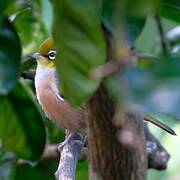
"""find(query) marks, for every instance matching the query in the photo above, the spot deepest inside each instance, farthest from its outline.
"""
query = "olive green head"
(46, 54)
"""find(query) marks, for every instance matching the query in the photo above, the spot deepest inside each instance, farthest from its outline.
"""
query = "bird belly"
(60, 111)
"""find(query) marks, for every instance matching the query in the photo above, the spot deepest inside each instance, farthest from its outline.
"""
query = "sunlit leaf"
(173, 36)
(10, 54)
(16, 15)
(47, 15)
(28, 23)
(81, 47)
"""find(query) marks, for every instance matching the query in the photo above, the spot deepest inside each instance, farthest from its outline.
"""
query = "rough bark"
(114, 153)
(157, 155)
(70, 151)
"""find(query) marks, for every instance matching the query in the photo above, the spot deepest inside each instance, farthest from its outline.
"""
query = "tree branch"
(29, 74)
(161, 33)
(157, 155)
(51, 152)
(70, 152)
(115, 151)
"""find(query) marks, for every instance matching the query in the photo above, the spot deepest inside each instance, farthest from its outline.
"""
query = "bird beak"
(35, 55)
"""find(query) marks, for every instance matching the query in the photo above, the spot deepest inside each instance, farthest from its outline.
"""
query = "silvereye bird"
(48, 94)
(50, 98)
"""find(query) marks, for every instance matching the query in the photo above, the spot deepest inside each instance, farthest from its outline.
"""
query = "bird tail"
(159, 124)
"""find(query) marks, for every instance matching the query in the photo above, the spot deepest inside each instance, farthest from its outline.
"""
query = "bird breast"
(54, 106)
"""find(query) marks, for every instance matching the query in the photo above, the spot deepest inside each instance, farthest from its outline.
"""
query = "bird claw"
(67, 138)
(72, 137)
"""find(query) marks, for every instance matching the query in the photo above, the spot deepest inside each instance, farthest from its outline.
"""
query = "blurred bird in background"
(51, 99)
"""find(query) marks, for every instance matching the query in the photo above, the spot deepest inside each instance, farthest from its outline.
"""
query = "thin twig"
(51, 152)
(162, 35)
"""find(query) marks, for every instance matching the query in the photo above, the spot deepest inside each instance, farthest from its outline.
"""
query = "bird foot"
(72, 137)
(67, 139)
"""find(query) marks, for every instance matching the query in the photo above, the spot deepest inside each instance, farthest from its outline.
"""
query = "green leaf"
(7, 164)
(20, 12)
(124, 19)
(168, 68)
(29, 23)
(10, 54)
(81, 47)
(171, 11)
(55, 133)
(43, 170)
(22, 129)
(149, 40)
(47, 15)
(173, 37)
(3, 4)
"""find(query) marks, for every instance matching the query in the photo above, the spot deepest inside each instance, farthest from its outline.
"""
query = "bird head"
(46, 54)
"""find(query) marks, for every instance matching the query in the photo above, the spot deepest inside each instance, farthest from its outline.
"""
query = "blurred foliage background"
(153, 83)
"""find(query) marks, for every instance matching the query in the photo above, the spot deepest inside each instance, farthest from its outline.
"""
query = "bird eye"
(51, 55)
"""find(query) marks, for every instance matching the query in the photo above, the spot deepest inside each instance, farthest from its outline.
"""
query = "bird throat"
(45, 64)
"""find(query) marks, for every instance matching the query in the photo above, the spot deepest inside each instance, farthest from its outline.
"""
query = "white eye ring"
(51, 55)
